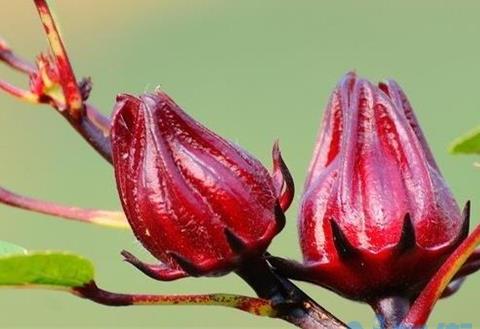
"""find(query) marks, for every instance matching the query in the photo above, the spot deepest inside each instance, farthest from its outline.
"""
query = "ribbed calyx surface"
(376, 216)
(194, 200)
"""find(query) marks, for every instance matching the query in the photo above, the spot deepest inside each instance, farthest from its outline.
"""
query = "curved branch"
(251, 305)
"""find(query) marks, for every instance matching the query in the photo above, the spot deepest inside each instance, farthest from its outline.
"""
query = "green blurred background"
(250, 70)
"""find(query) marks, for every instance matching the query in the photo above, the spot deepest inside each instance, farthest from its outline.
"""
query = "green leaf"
(45, 268)
(10, 248)
(467, 144)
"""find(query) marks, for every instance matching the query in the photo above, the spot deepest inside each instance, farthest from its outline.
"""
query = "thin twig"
(114, 219)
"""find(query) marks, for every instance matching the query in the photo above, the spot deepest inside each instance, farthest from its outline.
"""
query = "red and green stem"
(251, 305)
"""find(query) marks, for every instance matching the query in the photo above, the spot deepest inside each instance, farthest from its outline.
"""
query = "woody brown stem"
(290, 302)
(92, 126)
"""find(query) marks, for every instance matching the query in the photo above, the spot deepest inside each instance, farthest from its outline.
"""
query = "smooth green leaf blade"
(467, 144)
(10, 248)
(48, 268)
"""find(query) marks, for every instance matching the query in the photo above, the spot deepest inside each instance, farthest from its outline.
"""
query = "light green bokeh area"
(251, 70)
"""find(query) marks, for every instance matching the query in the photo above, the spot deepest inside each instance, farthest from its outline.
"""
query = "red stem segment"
(423, 305)
(67, 77)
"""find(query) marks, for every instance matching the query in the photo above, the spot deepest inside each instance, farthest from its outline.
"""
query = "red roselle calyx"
(198, 203)
(376, 219)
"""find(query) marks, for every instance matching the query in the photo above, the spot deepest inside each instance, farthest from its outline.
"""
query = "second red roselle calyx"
(197, 202)
(377, 218)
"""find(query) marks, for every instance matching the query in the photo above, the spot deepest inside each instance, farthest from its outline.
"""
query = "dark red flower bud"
(377, 218)
(197, 202)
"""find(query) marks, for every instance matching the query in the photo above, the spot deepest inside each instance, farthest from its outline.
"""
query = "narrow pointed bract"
(282, 179)
(159, 272)
(344, 249)
(407, 239)
(375, 203)
(196, 201)
(235, 242)
(466, 222)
